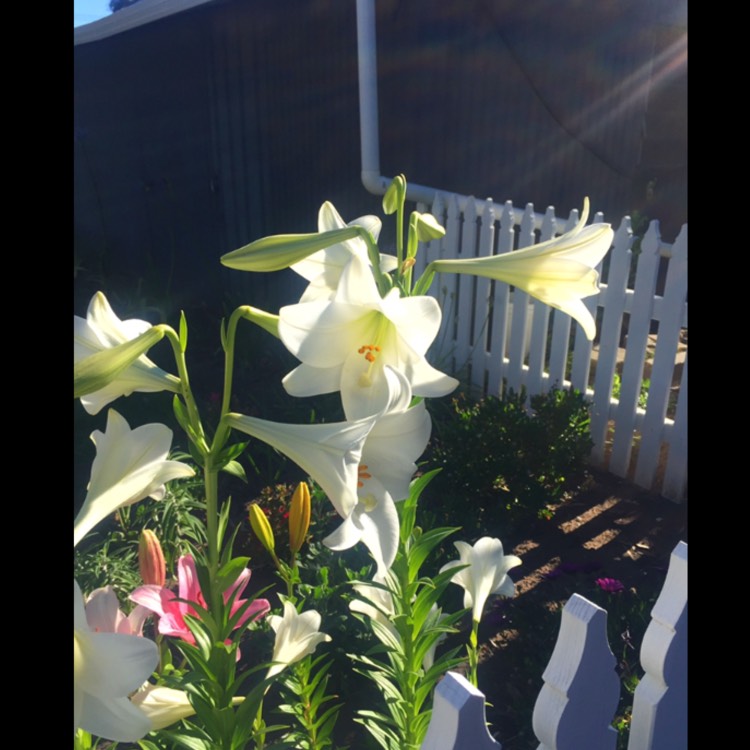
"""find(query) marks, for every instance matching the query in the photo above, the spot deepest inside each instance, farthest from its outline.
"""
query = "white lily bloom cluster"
(372, 350)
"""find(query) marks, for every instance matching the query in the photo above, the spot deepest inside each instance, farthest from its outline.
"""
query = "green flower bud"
(280, 251)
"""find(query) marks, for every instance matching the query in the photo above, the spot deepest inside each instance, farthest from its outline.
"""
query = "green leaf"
(235, 469)
(424, 545)
(230, 572)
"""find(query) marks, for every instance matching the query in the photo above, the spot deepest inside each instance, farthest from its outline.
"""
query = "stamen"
(363, 474)
(370, 353)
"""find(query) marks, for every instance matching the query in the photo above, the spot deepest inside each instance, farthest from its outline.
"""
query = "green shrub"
(501, 461)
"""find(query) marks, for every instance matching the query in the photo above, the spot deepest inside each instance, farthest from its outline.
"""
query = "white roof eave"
(139, 14)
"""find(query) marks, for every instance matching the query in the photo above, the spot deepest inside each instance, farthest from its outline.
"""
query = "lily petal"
(323, 269)
(297, 635)
(129, 465)
(162, 705)
(107, 668)
(373, 521)
(329, 453)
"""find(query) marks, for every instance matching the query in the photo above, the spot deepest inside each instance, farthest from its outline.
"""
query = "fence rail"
(635, 373)
(579, 697)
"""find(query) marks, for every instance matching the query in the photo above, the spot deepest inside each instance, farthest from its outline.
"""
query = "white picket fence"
(577, 703)
(497, 338)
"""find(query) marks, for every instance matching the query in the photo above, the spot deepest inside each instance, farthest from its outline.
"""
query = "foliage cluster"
(510, 461)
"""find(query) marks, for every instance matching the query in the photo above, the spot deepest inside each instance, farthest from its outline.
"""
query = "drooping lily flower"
(486, 574)
(395, 442)
(165, 706)
(107, 667)
(103, 614)
(162, 705)
(129, 465)
(329, 453)
(345, 343)
(297, 635)
(171, 608)
(559, 272)
(323, 269)
(101, 329)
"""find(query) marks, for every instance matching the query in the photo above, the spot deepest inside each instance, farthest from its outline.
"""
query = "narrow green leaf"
(235, 469)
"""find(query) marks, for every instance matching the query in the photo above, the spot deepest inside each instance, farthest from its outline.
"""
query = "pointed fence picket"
(498, 338)
(578, 700)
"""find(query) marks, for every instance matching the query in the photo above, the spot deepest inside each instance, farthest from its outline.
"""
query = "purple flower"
(610, 585)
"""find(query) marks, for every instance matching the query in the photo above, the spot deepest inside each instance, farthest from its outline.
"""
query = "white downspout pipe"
(373, 181)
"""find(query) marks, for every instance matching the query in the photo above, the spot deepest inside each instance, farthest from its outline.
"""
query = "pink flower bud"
(151, 559)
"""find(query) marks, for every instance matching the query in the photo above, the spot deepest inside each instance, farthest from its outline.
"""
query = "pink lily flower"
(171, 611)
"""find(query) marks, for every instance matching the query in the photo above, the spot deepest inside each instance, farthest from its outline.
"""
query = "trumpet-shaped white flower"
(107, 667)
(345, 343)
(162, 705)
(559, 272)
(397, 439)
(323, 269)
(297, 635)
(101, 329)
(329, 453)
(129, 465)
(486, 574)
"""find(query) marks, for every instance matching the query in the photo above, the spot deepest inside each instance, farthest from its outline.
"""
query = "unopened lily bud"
(280, 251)
(98, 370)
(299, 517)
(261, 527)
(151, 559)
(407, 264)
(428, 228)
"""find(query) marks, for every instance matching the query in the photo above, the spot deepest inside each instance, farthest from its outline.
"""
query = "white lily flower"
(345, 343)
(329, 453)
(101, 329)
(486, 574)
(395, 442)
(559, 272)
(107, 667)
(129, 465)
(297, 635)
(162, 705)
(323, 269)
